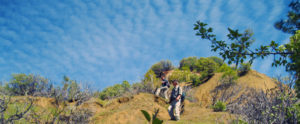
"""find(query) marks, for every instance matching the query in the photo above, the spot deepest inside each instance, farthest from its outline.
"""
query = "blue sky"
(103, 42)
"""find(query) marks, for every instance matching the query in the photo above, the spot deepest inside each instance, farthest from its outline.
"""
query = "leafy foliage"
(188, 63)
(292, 23)
(195, 79)
(155, 120)
(186, 76)
(229, 76)
(219, 106)
(244, 68)
(161, 67)
(10, 111)
(22, 84)
(206, 65)
(239, 49)
(181, 76)
(218, 60)
(115, 91)
(150, 82)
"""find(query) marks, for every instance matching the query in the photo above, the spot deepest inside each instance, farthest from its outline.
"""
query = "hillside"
(252, 79)
(199, 112)
(126, 110)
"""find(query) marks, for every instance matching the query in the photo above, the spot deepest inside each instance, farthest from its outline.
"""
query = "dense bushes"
(230, 74)
(115, 90)
(22, 84)
(188, 63)
(244, 68)
(181, 76)
(203, 65)
(186, 76)
(206, 65)
(72, 91)
(34, 85)
(218, 60)
(219, 106)
(162, 66)
(195, 79)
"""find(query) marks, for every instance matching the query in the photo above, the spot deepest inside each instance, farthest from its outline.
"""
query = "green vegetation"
(161, 67)
(154, 118)
(115, 91)
(181, 76)
(22, 84)
(219, 106)
(229, 76)
(218, 60)
(205, 66)
(244, 69)
(188, 63)
(291, 24)
(239, 49)
(195, 79)
(150, 80)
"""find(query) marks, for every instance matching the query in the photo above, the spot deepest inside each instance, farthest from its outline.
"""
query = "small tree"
(22, 84)
(188, 63)
(218, 60)
(161, 67)
(219, 106)
(239, 50)
(206, 65)
(244, 69)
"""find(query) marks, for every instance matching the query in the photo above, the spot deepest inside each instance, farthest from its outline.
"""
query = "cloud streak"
(106, 42)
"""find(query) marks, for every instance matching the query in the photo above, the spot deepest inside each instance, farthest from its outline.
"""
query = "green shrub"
(218, 60)
(188, 63)
(22, 84)
(150, 80)
(229, 76)
(181, 75)
(116, 90)
(162, 66)
(219, 106)
(73, 90)
(185, 76)
(244, 68)
(206, 65)
(223, 68)
(297, 107)
(195, 79)
(239, 121)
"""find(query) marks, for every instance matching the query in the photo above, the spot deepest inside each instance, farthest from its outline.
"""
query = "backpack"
(182, 97)
(168, 84)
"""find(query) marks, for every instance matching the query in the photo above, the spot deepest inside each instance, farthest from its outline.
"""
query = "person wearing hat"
(175, 101)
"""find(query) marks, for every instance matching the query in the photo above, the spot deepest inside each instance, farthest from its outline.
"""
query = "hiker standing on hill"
(175, 101)
(164, 86)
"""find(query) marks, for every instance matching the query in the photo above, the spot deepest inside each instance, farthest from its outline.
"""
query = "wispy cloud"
(106, 42)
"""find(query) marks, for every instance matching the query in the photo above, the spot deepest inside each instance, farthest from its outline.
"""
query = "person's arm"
(178, 97)
(179, 94)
